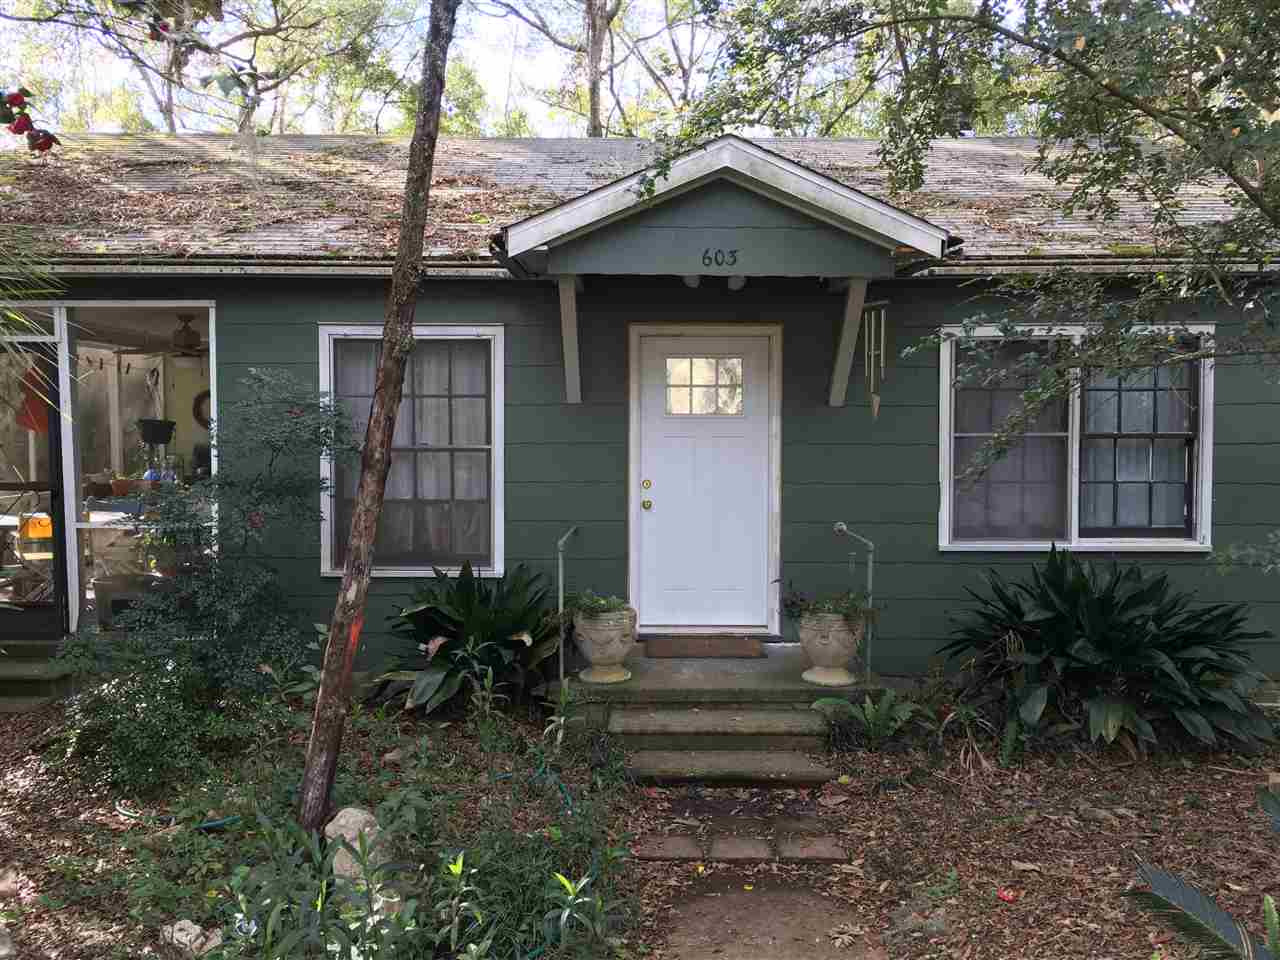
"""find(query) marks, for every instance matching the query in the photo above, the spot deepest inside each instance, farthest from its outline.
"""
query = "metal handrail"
(841, 529)
(560, 545)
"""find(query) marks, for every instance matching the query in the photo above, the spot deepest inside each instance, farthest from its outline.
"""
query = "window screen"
(1024, 495)
(438, 508)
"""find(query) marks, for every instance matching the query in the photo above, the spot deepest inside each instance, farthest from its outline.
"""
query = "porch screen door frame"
(772, 331)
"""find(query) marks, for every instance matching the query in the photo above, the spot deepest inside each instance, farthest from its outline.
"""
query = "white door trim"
(773, 331)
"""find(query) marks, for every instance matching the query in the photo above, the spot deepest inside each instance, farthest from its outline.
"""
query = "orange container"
(36, 527)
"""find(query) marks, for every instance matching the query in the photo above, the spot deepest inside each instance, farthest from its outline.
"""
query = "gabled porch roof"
(746, 165)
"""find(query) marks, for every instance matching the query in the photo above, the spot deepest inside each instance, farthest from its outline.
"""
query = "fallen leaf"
(1024, 867)
(833, 799)
(1007, 895)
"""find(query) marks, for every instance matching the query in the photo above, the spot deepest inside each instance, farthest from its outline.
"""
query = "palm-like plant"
(1198, 917)
(468, 625)
(1121, 647)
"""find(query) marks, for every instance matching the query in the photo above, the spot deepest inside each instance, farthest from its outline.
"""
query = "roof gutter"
(451, 271)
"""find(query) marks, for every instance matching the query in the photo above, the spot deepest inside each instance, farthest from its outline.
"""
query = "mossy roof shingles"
(139, 198)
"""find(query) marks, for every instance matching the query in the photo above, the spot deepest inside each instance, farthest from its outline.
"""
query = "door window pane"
(704, 386)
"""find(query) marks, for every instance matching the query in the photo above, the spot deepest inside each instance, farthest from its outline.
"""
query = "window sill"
(1153, 545)
(418, 573)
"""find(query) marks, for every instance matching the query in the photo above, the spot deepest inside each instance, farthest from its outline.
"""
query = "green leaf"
(1033, 703)
(1197, 917)
(1270, 802)
(1196, 725)
(1106, 717)
(1272, 923)
(426, 685)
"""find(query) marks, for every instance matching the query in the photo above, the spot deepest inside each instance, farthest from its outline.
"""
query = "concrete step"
(717, 728)
(29, 649)
(33, 678)
(758, 767)
(23, 704)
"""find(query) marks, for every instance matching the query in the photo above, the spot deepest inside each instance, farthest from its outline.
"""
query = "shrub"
(188, 668)
(870, 722)
(1119, 649)
(465, 626)
(850, 604)
(592, 604)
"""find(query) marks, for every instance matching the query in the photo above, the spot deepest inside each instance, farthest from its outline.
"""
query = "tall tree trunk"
(597, 28)
(333, 701)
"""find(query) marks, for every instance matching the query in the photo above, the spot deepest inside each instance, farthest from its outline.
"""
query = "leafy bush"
(1119, 647)
(589, 603)
(870, 722)
(187, 671)
(1199, 918)
(850, 604)
(465, 626)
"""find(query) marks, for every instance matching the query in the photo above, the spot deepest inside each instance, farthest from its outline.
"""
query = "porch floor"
(774, 678)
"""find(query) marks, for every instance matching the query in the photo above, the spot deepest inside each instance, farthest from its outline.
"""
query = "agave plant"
(1198, 917)
(1123, 648)
(466, 624)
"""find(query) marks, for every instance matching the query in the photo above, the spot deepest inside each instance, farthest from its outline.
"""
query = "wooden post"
(569, 336)
(855, 297)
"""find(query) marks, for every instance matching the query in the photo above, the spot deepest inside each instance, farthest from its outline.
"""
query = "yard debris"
(6, 945)
(393, 756)
(162, 837)
(349, 823)
(919, 917)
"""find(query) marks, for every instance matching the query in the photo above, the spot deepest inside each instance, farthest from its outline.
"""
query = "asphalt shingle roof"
(154, 198)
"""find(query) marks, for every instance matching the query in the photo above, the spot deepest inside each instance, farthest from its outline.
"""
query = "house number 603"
(719, 258)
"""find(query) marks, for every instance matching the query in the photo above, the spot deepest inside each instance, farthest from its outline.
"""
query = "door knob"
(646, 504)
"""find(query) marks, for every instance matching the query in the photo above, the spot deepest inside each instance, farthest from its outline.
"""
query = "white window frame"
(494, 334)
(1201, 541)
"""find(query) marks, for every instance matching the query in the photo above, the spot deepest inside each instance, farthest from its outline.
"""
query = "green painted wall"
(737, 230)
(567, 464)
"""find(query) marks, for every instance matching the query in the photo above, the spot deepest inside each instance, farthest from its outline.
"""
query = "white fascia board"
(751, 167)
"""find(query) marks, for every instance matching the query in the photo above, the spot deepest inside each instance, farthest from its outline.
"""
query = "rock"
(190, 938)
(7, 948)
(920, 917)
(1097, 814)
(161, 838)
(349, 823)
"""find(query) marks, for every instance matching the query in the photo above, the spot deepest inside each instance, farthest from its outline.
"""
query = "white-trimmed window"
(444, 503)
(1123, 464)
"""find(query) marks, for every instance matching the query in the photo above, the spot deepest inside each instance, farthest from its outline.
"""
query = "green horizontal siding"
(567, 464)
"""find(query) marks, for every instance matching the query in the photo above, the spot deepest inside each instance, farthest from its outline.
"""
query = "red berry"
(15, 100)
(41, 141)
(21, 124)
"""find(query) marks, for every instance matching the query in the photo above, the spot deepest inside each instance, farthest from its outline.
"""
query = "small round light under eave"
(737, 282)
(692, 281)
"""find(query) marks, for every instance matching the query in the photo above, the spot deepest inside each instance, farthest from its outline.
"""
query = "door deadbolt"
(646, 504)
(646, 484)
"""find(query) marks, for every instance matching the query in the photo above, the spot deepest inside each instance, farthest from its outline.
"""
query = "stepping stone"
(825, 849)
(794, 825)
(668, 848)
(740, 848)
(763, 767)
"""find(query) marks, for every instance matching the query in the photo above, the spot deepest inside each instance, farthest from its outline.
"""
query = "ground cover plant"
(1113, 653)
(472, 839)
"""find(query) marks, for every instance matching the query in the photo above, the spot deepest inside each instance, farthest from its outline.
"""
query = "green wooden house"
(703, 378)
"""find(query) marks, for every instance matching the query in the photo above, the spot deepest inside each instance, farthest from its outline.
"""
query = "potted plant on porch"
(604, 629)
(831, 628)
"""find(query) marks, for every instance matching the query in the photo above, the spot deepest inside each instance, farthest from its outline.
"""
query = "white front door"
(702, 533)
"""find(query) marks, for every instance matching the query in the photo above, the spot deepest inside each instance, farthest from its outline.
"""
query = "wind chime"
(873, 322)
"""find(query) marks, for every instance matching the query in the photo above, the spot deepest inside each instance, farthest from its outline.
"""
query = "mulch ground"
(1059, 836)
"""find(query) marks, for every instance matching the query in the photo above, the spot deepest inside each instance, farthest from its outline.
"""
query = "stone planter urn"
(830, 642)
(605, 639)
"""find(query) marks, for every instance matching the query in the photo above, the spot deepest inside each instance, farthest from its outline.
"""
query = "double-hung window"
(1124, 463)
(443, 504)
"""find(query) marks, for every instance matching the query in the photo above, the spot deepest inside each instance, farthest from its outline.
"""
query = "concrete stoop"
(714, 720)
